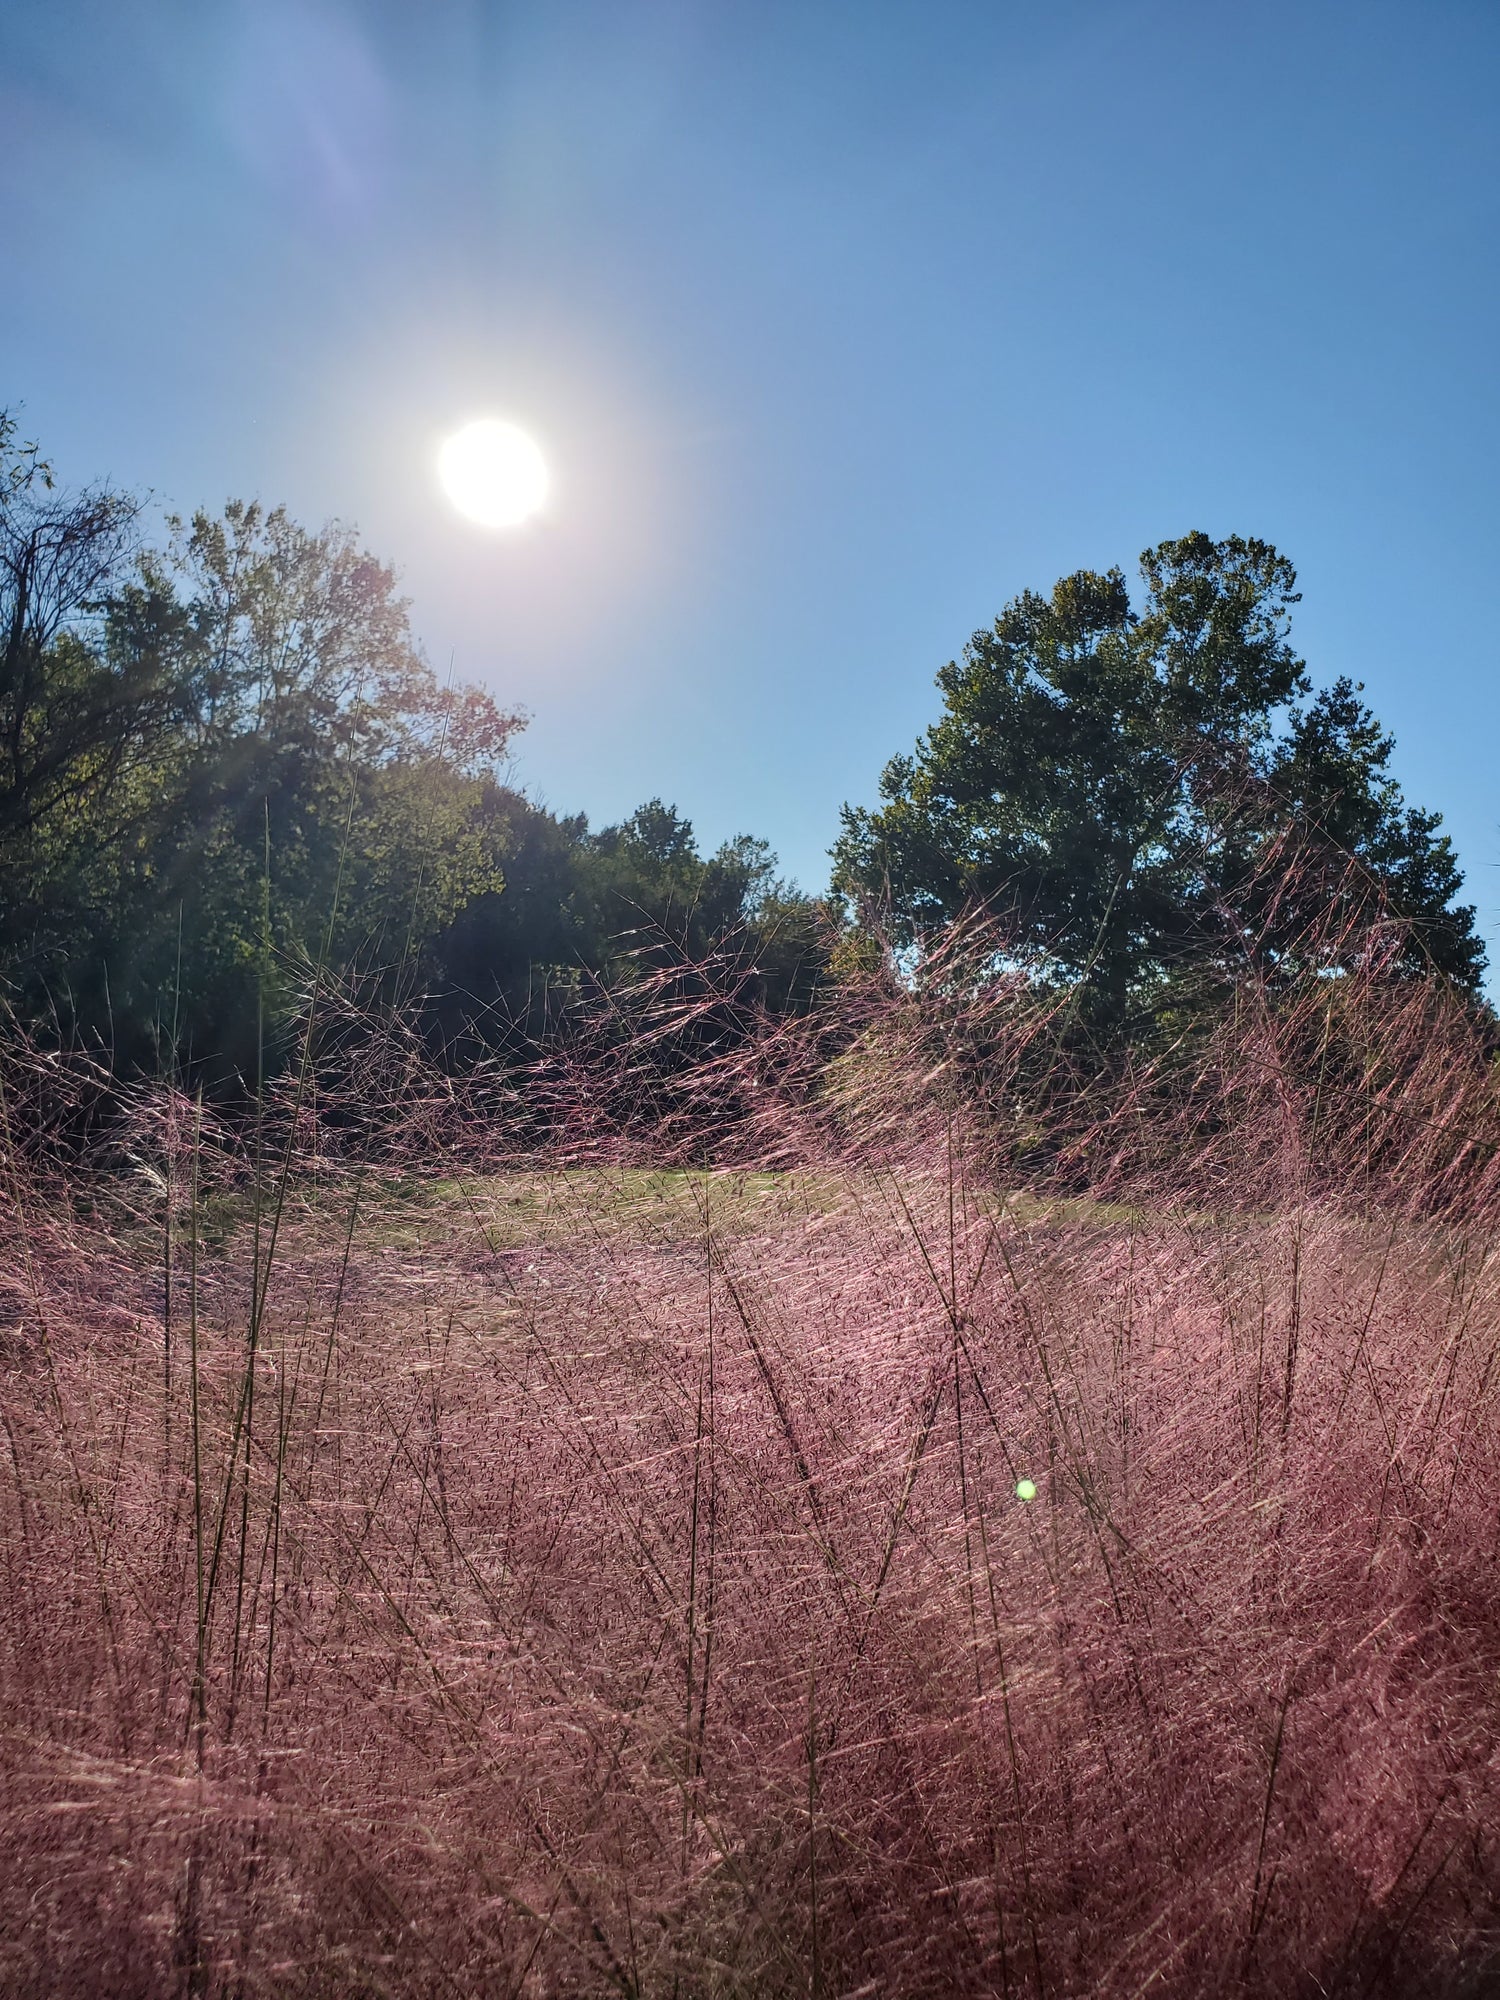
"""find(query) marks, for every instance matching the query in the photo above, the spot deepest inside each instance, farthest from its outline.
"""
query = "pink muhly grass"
(629, 1590)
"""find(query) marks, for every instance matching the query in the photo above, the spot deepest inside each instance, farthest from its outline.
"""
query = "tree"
(93, 697)
(1110, 782)
(220, 764)
(332, 798)
(86, 687)
(581, 909)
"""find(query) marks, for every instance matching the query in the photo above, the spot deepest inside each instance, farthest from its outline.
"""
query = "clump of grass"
(766, 1523)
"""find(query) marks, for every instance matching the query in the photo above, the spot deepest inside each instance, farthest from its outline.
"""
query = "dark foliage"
(1108, 781)
(227, 772)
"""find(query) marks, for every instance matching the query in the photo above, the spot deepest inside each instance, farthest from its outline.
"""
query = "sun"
(493, 472)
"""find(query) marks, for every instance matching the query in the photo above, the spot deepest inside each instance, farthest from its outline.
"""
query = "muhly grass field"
(606, 1580)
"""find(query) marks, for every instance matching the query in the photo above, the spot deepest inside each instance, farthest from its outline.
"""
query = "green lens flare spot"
(1026, 1489)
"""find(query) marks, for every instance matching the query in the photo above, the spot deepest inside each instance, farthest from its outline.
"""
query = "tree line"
(226, 764)
(227, 768)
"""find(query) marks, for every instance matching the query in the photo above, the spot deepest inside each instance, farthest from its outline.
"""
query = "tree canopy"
(225, 762)
(581, 907)
(1118, 785)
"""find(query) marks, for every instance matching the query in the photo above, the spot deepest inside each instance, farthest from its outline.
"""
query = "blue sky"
(840, 324)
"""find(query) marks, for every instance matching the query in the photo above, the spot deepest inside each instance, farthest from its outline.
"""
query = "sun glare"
(494, 473)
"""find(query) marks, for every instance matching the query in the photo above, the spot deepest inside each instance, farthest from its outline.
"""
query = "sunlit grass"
(856, 1576)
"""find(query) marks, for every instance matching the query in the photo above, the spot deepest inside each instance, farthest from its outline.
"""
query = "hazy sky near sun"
(839, 324)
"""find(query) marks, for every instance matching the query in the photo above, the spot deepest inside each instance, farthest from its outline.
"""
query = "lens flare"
(1025, 1489)
(494, 473)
